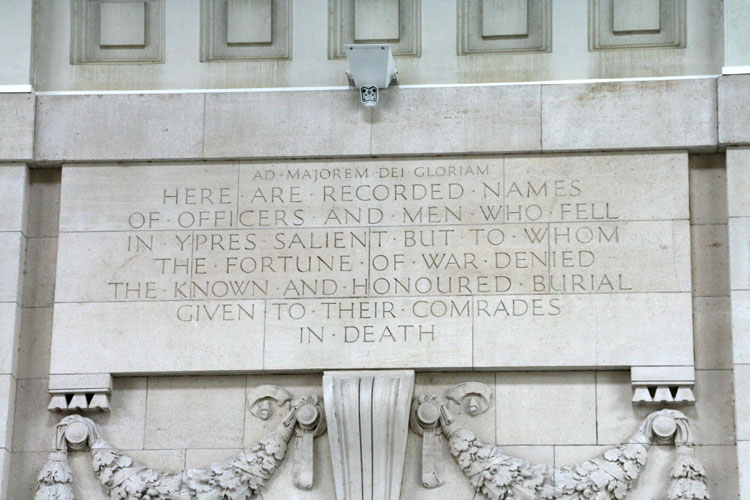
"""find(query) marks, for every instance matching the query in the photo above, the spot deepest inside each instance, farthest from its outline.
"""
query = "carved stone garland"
(491, 472)
(609, 477)
(123, 478)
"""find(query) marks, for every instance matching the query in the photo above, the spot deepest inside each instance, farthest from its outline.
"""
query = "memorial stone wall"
(491, 290)
(557, 285)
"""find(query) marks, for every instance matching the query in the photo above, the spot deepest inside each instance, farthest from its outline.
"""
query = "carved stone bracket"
(122, 477)
(663, 385)
(80, 393)
(368, 414)
(609, 477)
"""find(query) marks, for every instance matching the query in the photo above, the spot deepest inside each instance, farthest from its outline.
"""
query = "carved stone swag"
(124, 479)
(609, 477)
(496, 475)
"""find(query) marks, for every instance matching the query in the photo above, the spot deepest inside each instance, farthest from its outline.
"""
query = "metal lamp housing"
(371, 68)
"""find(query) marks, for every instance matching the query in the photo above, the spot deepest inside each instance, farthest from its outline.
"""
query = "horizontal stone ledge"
(331, 123)
(644, 114)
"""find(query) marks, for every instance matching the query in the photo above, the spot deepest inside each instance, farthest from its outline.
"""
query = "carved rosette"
(124, 478)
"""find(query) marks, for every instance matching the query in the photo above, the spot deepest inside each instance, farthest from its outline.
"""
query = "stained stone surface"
(519, 262)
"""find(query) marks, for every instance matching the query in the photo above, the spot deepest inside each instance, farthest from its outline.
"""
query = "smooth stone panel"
(742, 401)
(502, 18)
(526, 399)
(124, 424)
(39, 279)
(122, 24)
(721, 470)
(10, 325)
(589, 330)
(147, 197)
(12, 255)
(710, 259)
(630, 115)
(632, 254)
(16, 127)
(577, 454)
(217, 422)
(376, 20)
(7, 409)
(743, 455)
(119, 127)
(630, 186)
(249, 21)
(636, 15)
(117, 343)
(286, 124)
(95, 266)
(739, 253)
(736, 40)
(44, 202)
(708, 189)
(5, 459)
(712, 327)
(35, 342)
(741, 326)
(14, 187)
(24, 472)
(734, 109)
(470, 119)
(34, 428)
(738, 181)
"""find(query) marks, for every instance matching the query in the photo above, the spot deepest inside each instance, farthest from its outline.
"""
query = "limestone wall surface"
(545, 417)
(437, 41)
(552, 417)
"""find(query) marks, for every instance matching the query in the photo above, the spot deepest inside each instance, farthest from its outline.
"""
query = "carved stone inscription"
(501, 262)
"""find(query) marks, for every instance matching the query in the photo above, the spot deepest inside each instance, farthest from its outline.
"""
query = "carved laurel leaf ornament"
(608, 477)
(124, 479)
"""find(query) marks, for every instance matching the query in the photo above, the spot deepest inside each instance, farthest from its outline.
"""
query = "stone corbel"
(368, 425)
(663, 385)
(80, 393)
(122, 477)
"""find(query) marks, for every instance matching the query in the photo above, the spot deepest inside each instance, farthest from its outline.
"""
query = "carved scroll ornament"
(123, 478)
(609, 477)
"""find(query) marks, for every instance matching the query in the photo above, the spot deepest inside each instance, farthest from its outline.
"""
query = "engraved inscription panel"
(517, 262)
